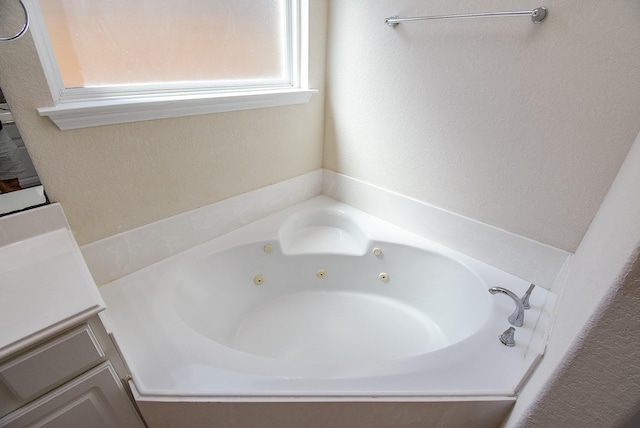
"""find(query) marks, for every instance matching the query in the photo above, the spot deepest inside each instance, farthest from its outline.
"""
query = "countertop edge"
(51, 330)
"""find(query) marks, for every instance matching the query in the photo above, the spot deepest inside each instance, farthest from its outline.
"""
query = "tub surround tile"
(525, 258)
(122, 254)
(127, 252)
(538, 344)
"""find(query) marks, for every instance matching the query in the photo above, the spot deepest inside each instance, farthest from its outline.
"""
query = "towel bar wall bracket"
(537, 16)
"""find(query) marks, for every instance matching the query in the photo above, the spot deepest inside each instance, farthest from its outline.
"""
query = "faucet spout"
(517, 317)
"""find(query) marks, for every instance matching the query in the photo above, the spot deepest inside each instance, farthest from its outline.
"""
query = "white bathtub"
(320, 300)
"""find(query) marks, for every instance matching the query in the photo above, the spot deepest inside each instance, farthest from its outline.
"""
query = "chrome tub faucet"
(517, 317)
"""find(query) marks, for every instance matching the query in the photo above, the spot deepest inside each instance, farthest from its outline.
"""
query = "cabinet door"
(95, 399)
(52, 364)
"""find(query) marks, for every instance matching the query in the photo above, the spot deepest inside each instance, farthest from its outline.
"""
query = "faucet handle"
(507, 337)
(525, 298)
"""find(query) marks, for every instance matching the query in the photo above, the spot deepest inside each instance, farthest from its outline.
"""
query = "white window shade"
(122, 61)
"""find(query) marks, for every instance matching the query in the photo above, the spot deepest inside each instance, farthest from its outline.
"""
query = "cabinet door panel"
(95, 399)
(51, 364)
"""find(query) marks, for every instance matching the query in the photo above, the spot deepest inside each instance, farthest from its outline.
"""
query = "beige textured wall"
(518, 125)
(589, 374)
(114, 178)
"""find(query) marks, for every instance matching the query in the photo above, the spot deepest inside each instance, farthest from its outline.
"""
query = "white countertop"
(45, 285)
(5, 113)
(25, 198)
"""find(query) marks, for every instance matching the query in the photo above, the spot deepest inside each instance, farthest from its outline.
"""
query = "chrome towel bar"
(537, 16)
(24, 28)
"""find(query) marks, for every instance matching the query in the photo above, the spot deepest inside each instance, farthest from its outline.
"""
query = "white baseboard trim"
(523, 257)
(127, 252)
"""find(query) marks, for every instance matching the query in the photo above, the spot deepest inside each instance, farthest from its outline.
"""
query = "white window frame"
(85, 107)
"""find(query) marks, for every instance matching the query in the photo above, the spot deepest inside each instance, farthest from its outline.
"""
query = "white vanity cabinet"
(69, 380)
(58, 364)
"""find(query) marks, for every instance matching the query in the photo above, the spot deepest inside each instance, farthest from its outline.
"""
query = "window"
(122, 61)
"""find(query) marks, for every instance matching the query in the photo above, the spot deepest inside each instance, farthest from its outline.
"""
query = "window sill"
(84, 114)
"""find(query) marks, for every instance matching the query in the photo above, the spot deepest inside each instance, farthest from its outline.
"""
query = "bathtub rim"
(230, 239)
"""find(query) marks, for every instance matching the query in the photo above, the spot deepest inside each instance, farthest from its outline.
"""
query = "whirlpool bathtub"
(320, 300)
